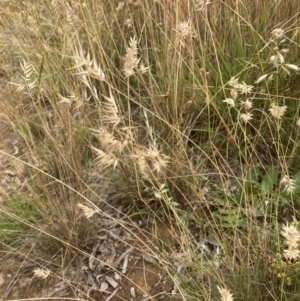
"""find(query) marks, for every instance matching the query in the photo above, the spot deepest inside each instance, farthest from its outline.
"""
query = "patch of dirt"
(16, 281)
(117, 269)
(11, 170)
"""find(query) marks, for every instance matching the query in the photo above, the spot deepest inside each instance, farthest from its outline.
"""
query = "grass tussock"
(173, 126)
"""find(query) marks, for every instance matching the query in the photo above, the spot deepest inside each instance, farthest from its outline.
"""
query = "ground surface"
(142, 280)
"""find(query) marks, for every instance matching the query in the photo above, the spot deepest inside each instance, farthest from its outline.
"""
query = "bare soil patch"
(132, 275)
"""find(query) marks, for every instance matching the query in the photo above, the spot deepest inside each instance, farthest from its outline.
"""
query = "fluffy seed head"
(277, 111)
(287, 184)
(41, 273)
(234, 94)
(184, 30)
(143, 69)
(131, 60)
(105, 159)
(291, 235)
(233, 81)
(277, 33)
(110, 110)
(291, 254)
(246, 117)
(247, 104)
(229, 101)
(87, 211)
(225, 294)
(244, 88)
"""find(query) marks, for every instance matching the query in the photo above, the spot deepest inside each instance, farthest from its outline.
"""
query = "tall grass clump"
(159, 116)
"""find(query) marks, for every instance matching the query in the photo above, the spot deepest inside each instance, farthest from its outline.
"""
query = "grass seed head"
(243, 88)
(87, 211)
(201, 4)
(229, 101)
(277, 33)
(184, 30)
(225, 294)
(234, 94)
(41, 273)
(233, 81)
(287, 184)
(278, 111)
(143, 69)
(246, 117)
(131, 60)
(247, 104)
(291, 254)
(291, 235)
(104, 159)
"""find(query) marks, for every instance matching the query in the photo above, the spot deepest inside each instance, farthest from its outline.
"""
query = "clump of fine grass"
(181, 114)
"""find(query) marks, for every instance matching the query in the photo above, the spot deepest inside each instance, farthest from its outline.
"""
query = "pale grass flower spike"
(110, 110)
(87, 211)
(184, 30)
(131, 60)
(287, 184)
(143, 69)
(278, 111)
(159, 164)
(87, 66)
(292, 254)
(277, 33)
(225, 294)
(150, 160)
(107, 140)
(41, 273)
(292, 238)
(244, 88)
(291, 235)
(246, 117)
(229, 101)
(105, 159)
(233, 81)
(247, 104)
(234, 94)
(202, 4)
